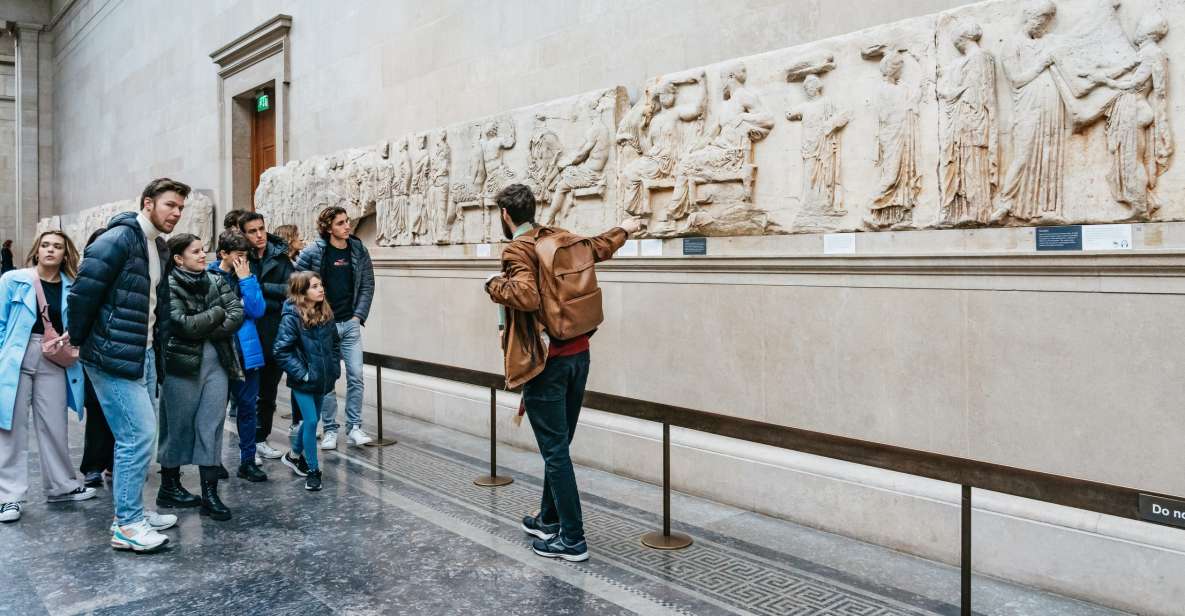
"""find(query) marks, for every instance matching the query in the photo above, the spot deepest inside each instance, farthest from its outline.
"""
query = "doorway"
(263, 137)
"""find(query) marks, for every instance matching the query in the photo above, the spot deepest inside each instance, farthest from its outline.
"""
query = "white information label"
(483, 250)
(651, 248)
(628, 249)
(1106, 237)
(839, 244)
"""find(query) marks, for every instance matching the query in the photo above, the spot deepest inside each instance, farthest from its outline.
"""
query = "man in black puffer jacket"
(118, 313)
(269, 262)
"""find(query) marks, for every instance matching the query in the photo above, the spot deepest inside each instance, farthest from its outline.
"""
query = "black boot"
(249, 471)
(171, 493)
(211, 504)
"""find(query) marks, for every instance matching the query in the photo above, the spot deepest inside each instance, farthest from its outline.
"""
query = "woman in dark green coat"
(200, 361)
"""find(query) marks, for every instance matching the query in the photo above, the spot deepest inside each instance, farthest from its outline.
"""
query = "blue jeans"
(244, 394)
(553, 400)
(306, 438)
(350, 333)
(130, 409)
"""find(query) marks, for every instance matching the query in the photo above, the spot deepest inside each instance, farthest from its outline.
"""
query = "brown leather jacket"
(517, 288)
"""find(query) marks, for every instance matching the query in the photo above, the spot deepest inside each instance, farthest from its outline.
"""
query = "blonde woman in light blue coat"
(30, 384)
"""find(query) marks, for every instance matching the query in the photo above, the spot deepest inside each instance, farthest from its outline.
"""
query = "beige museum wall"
(962, 342)
(136, 92)
(1063, 364)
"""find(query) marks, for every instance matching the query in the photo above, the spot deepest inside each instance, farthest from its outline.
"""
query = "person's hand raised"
(242, 269)
(631, 225)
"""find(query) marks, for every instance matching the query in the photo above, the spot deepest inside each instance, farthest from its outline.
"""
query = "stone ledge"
(1154, 272)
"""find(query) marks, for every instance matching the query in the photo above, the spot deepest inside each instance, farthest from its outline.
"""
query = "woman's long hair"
(311, 314)
(288, 233)
(69, 260)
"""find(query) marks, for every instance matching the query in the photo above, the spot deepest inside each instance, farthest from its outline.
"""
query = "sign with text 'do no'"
(1162, 510)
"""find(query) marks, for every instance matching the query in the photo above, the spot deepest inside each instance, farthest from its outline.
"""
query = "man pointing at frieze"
(545, 341)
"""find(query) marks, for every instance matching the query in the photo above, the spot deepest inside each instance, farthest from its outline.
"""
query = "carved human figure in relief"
(394, 222)
(723, 151)
(442, 209)
(583, 168)
(382, 177)
(1032, 185)
(896, 148)
(543, 157)
(1139, 137)
(417, 216)
(491, 174)
(653, 129)
(822, 122)
(969, 147)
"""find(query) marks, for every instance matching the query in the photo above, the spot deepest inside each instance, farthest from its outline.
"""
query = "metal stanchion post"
(493, 480)
(966, 564)
(666, 540)
(379, 441)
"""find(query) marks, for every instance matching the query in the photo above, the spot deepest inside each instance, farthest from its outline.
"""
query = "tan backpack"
(568, 292)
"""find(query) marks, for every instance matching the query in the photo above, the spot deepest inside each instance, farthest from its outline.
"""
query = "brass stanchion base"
(381, 442)
(659, 541)
(493, 481)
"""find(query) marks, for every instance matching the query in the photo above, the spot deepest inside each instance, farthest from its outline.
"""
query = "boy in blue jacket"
(232, 264)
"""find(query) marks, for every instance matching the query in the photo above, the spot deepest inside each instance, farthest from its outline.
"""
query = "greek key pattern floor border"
(722, 576)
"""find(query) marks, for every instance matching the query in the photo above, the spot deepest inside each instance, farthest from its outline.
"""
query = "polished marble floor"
(403, 530)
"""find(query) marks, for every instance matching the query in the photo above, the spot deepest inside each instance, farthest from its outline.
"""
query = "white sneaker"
(138, 537)
(158, 521)
(258, 460)
(267, 451)
(10, 512)
(329, 440)
(357, 437)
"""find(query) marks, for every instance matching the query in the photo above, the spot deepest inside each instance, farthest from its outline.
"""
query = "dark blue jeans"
(245, 394)
(553, 400)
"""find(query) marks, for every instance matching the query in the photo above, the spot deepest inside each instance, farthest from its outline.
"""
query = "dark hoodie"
(272, 271)
(107, 310)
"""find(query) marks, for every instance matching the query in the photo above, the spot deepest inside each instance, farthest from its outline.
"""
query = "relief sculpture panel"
(1001, 113)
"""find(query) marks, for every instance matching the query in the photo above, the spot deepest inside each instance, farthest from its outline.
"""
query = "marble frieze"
(1002, 113)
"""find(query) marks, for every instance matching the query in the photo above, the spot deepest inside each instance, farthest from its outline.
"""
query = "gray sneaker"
(532, 526)
(558, 548)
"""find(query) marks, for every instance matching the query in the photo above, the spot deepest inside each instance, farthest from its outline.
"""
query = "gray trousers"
(192, 410)
(42, 390)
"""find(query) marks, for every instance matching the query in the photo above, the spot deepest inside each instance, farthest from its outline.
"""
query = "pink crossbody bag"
(55, 347)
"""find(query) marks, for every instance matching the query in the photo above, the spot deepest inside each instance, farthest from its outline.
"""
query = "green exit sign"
(263, 103)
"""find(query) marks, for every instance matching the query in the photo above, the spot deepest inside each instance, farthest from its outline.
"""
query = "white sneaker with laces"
(10, 512)
(138, 537)
(158, 521)
(329, 440)
(357, 437)
(267, 451)
(78, 494)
